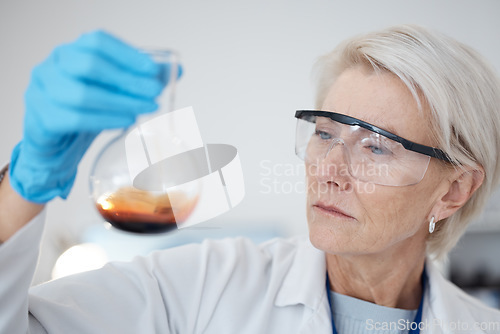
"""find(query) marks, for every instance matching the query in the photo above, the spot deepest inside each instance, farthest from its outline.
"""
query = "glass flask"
(143, 180)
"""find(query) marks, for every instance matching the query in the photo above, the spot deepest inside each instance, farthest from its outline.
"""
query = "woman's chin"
(326, 239)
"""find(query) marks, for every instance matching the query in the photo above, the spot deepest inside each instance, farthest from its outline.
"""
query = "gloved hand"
(97, 82)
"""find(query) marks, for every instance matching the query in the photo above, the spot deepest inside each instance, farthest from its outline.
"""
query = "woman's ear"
(464, 183)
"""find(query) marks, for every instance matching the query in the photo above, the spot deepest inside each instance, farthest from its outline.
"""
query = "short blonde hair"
(461, 90)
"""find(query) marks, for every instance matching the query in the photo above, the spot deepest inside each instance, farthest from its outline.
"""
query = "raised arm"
(15, 211)
(95, 83)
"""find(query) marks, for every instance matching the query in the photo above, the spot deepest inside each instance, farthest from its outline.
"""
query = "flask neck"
(169, 74)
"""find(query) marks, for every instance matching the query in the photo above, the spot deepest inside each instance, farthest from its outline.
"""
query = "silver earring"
(432, 225)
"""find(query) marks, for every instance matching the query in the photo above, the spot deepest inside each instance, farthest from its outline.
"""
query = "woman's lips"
(331, 210)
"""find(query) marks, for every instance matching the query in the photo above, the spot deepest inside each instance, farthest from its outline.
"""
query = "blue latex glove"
(97, 82)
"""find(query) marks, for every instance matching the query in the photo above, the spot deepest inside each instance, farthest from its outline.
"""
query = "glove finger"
(92, 68)
(46, 118)
(166, 74)
(118, 52)
(65, 91)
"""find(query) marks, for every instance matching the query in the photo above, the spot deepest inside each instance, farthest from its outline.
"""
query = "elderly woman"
(402, 152)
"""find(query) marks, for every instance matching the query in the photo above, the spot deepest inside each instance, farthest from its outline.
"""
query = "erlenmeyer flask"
(144, 180)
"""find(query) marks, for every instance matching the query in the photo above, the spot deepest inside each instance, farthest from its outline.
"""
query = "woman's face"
(376, 218)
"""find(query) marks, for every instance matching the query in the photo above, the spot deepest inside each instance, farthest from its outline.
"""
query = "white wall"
(247, 68)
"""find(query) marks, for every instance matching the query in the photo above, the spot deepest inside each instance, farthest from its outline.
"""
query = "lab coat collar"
(304, 282)
(444, 302)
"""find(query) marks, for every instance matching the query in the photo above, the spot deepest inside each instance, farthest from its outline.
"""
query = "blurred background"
(247, 68)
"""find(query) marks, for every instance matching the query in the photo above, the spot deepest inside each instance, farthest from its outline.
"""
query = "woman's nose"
(335, 142)
(333, 168)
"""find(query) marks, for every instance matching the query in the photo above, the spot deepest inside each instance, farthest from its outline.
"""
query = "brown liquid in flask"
(140, 211)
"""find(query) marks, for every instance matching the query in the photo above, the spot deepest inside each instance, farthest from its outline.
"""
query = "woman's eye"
(376, 147)
(377, 150)
(323, 135)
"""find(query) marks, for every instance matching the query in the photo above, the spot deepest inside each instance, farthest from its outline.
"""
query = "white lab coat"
(228, 286)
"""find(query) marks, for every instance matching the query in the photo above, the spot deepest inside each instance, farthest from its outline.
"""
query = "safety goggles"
(370, 154)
